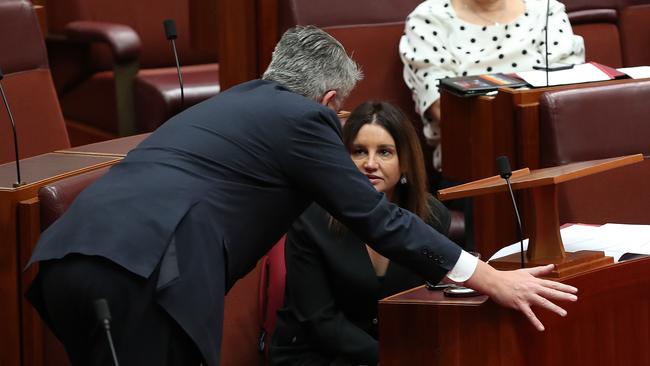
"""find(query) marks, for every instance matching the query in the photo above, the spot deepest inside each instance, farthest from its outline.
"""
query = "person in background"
(449, 38)
(333, 279)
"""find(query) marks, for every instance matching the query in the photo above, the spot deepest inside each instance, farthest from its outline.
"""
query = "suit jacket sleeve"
(312, 299)
(317, 163)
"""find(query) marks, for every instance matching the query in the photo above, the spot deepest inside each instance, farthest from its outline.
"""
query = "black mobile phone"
(437, 286)
(459, 291)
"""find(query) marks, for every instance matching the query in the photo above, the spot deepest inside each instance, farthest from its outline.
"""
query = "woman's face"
(375, 154)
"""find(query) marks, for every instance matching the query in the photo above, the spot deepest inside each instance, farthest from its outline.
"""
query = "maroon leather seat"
(55, 198)
(114, 68)
(596, 123)
(28, 86)
(342, 12)
(635, 35)
(616, 32)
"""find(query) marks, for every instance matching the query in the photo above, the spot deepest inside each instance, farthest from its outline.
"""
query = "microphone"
(104, 316)
(170, 33)
(547, 68)
(503, 167)
(19, 181)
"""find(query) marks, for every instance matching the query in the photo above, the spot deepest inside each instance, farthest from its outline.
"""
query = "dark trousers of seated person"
(143, 333)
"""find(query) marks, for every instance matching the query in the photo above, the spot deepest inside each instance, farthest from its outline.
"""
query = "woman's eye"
(385, 153)
(358, 152)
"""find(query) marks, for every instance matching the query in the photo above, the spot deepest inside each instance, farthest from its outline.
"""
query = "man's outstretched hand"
(522, 290)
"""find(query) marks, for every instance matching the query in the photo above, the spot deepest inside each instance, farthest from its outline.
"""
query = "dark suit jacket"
(331, 294)
(231, 174)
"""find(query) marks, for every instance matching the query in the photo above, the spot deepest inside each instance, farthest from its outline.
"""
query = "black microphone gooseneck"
(104, 316)
(503, 166)
(548, 8)
(170, 33)
(19, 182)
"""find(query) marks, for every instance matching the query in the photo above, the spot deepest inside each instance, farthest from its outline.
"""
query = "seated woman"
(449, 38)
(333, 279)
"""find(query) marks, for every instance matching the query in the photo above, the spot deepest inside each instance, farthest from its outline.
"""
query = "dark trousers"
(143, 332)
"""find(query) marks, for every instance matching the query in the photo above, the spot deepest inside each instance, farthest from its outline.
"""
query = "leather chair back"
(145, 17)
(595, 123)
(616, 32)
(343, 12)
(107, 95)
(379, 62)
(28, 86)
(55, 198)
(582, 124)
(635, 35)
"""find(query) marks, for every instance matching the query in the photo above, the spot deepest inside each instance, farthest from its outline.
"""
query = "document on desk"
(638, 72)
(613, 239)
(577, 74)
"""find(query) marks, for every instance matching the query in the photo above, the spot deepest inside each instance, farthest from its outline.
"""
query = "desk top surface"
(49, 166)
(117, 147)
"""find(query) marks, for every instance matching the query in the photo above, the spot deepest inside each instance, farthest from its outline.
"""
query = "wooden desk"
(117, 147)
(475, 131)
(608, 325)
(17, 240)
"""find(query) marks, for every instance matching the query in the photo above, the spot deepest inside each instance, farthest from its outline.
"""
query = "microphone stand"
(104, 316)
(19, 182)
(547, 68)
(505, 172)
(171, 35)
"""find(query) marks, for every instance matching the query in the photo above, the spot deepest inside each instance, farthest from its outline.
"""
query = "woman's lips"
(373, 178)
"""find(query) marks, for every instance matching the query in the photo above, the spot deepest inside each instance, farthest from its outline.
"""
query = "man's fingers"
(543, 302)
(525, 308)
(559, 286)
(541, 270)
(549, 293)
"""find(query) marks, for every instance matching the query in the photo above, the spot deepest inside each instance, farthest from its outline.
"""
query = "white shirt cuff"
(464, 268)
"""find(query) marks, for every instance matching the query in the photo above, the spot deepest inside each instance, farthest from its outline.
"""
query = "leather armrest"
(122, 39)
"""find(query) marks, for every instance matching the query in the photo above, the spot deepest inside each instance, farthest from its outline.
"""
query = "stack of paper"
(577, 74)
(613, 239)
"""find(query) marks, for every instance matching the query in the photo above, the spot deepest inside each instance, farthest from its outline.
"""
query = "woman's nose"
(370, 163)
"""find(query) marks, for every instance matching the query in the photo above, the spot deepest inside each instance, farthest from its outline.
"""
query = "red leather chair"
(635, 34)
(581, 124)
(342, 12)
(55, 198)
(28, 86)
(114, 69)
(616, 32)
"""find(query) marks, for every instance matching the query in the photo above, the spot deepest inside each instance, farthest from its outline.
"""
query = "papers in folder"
(577, 74)
(613, 239)
(638, 72)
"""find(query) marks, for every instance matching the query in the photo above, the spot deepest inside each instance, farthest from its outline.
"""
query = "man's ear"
(329, 100)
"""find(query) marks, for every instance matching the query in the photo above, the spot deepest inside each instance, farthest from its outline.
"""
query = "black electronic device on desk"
(467, 86)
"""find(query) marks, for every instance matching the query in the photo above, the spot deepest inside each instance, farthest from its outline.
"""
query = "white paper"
(577, 74)
(639, 72)
(613, 239)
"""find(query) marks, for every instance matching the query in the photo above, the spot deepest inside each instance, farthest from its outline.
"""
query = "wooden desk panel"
(608, 325)
(475, 131)
(15, 240)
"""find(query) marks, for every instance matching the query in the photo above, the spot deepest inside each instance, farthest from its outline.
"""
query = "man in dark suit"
(165, 233)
